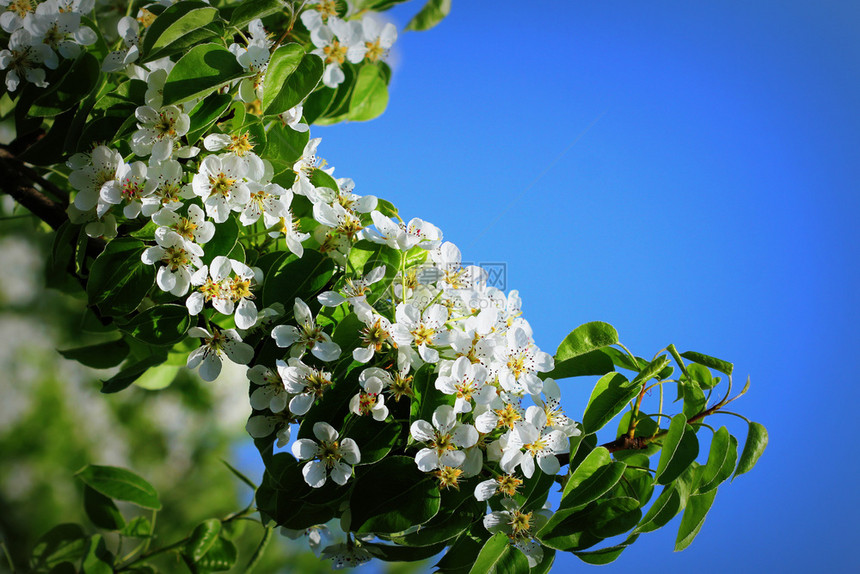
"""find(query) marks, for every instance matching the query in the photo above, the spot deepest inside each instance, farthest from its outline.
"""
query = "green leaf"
(433, 12)
(667, 505)
(291, 277)
(444, 526)
(697, 509)
(702, 376)
(64, 542)
(376, 438)
(391, 496)
(567, 530)
(426, 398)
(130, 372)
(97, 558)
(181, 25)
(119, 280)
(222, 242)
(753, 448)
(222, 555)
(80, 80)
(285, 145)
(370, 95)
(296, 75)
(586, 338)
(120, 484)
(138, 527)
(99, 356)
(605, 555)
(652, 370)
(160, 325)
(614, 516)
(680, 448)
(247, 11)
(201, 71)
(101, 510)
(389, 553)
(203, 538)
(205, 114)
(50, 149)
(710, 362)
(591, 363)
(594, 476)
(610, 396)
(721, 460)
(160, 377)
(499, 557)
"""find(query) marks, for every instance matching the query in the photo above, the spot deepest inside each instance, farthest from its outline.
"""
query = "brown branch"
(45, 209)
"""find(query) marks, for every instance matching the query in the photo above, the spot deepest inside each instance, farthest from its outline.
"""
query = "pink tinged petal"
(260, 426)
(485, 490)
(285, 335)
(326, 351)
(246, 314)
(301, 404)
(465, 436)
(422, 431)
(362, 354)
(304, 448)
(427, 460)
(340, 473)
(210, 368)
(349, 449)
(314, 473)
(324, 431)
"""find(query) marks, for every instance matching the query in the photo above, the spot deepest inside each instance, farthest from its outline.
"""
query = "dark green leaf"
(710, 362)
(567, 530)
(592, 478)
(753, 448)
(610, 395)
(370, 95)
(605, 555)
(119, 280)
(652, 370)
(390, 553)
(177, 28)
(721, 460)
(64, 542)
(101, 510)
(247, 11)
(667, 505)
(159, 325)
(285, 145)
(97, 558)
(222, 243)
(499, 557)
(586, 338)
(614, 516)
(203, 538)
(221, 556)
(426, 398)
(138, 527)
(392, 496)
(120, 484)
(293, 80)
(200, 71)
(50, 149)
(205, 114)
(100, 356)
(282, 64)
(291, 277)
(433, 12)
(697, 509)
(81, 78)
(130, 372)
(680, 448)
(591, 363)
(374, 438)
(445, 525)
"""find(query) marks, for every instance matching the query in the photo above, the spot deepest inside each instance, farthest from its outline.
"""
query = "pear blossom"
(261, 426)
(444, 437)
(336, 43)
(530, 441)
(240, 146)
(220, 183)
(128, 29)
(339, 219)
(346, 556)
(271, 201)
(270, 392)
(292, 118)
(328, 456)
(404, 237)
(376, 333)
(304, 168)
(354, 292)
(215, 345)
(520, 527)
(467, 382)
(425, 330)
(158, 131)
(506, 484)
(168, 188)
(308, 336)
(520, 361)
(191, 227)
(378, 38)
(130, 185)
(370, 401)
(288, 226)
(305, 382)
(16, 12)
(23, 59)
(180, 258)
(91, 173)
(58, 29)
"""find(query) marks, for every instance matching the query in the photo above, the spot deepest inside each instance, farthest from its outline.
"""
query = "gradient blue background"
(686, 171)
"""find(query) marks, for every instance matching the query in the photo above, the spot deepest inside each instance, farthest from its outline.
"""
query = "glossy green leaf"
(652, 370)
(120, 484)
(224, 240)
(721, 460)
(138, 527)
(498, 556)
(64, 542)
(614, 516)
(388, 553)
(461, 555)
(177, 28)
(293, 80)
(130, 372)
(444, 526)
(370, 95)
(291, 277)
(753, 448)
(97, 558)
(567, 529)
(701, 375)
(205, 114)
(695, 512)
(376, 438)
(680, 448)
(79, 81)
(586, 338)
(610, 396)
(99, 356)
(119, 280)
(222, 555)
(426, 398)
(392, 496)
(594, 476)
(159, 325)
(203, 538)
(433, 12)
(605, 555)
(285, 145)
(199, 72)
(710, 362)
(591, 363)
(667, 505)
(50, 149)
(101, 510)
(247, 11)
(160, 377)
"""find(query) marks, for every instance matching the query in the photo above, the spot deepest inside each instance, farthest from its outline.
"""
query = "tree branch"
(16, 179)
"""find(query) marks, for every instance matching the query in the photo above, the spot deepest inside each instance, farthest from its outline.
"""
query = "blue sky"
(685, 171)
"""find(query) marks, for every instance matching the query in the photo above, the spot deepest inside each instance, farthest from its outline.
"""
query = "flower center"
(175, 257)
(240, 289)
(335, 53)
(401, 386)
(508, 484)
(374, 50)
(185, 228)
(448, 476)
(423, 335)
(507, 416)
(220, 184)
(520, 522)
(329, 453)
(131, 189)
(241, 144)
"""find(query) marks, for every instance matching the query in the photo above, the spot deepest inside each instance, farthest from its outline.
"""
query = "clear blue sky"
(686, 171)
